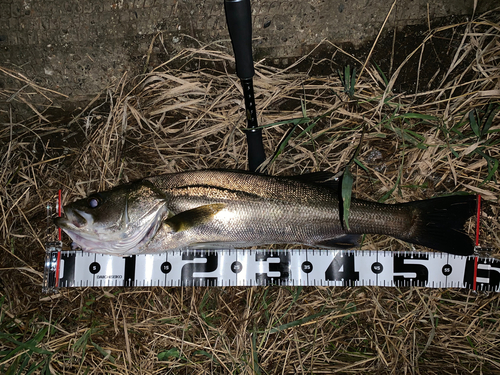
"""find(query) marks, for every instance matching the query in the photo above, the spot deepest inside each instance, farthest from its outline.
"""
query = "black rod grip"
(249, 96)
(239, 22)
(256, 154)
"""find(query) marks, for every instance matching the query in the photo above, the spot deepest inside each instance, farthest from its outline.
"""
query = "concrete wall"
(78, 47)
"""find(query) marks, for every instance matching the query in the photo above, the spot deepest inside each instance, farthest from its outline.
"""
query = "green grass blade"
(388, 194)
(298, 322)
(455, 154)
(308, 129)
(30, 345)
(492, 165)
(208, 355)
(358, 162)
(473, 122)
(255, 355)
(25, 363)
(347, 181)
(415, 135)
(347, 78)
(81, 343)
(353, 83)
(284, 143)
(398, 180)
(294, 121)
(103, 352)
(419, 116)
(314, 121)
(384, 78)
(170, 353)
(489, 121)
(35, 367)
(303, 108)
(493, 171)
(296, 296)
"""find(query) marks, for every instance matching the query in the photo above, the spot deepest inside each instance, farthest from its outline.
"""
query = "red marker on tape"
(478, 220)
(59, 210)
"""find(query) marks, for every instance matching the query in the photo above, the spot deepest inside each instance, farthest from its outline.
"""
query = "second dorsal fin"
(324, 178)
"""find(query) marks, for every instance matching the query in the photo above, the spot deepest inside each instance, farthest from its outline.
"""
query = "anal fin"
(345, 241)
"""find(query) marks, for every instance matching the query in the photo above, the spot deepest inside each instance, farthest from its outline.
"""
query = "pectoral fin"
(194, 217)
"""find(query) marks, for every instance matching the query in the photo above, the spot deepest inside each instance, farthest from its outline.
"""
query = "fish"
(208, 209)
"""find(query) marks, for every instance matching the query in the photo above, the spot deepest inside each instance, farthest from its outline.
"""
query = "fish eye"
(94, 202)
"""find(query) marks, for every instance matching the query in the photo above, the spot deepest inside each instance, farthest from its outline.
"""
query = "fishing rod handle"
(256, 154)
(239, 22)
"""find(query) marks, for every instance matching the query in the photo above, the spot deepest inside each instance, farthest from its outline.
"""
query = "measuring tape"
(246, 267)
(235, 267)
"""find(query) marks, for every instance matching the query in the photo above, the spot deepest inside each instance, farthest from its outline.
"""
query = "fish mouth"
(77, 225)
(73, 219)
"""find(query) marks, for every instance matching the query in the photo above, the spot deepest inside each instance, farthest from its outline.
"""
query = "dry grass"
(415, 146)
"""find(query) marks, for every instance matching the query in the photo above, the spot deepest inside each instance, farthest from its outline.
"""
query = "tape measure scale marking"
(232, 267)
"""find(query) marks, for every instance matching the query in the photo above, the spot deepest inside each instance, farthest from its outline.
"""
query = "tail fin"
(439, 223)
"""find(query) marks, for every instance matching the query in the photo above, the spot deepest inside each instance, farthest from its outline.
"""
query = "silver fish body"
(212, 208)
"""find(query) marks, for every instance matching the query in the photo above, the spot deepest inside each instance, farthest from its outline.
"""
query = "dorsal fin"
(328, 179)
(324, 178)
